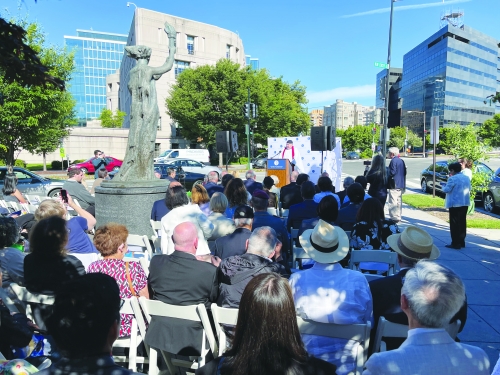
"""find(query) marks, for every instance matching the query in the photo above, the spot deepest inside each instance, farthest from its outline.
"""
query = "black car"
(260, 161)
(491, 198)
(352, 155)
(188, 179)
(442, 175)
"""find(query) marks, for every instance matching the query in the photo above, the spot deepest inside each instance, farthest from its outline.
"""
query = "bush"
(34, 167)
(242, 160)
(2, 162)
(56, 165)
(367, 154)
(20, 163)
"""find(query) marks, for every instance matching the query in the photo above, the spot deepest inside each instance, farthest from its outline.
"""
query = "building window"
(192, 146)
(158, 127)
(157, 149)
(190, 44)
(228, 51)
(180, 66)
(175, 145)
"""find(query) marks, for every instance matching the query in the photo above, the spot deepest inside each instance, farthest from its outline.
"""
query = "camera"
(367, 162)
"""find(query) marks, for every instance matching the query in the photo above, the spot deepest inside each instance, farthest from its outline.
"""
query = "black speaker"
(323, 138)
(226, 141)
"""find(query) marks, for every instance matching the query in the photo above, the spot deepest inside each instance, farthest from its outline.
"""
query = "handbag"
(129, 280)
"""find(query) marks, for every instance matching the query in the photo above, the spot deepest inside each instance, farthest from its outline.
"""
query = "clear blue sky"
(327, 45)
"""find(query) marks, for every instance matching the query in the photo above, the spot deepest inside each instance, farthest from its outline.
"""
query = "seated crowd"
(225, 245)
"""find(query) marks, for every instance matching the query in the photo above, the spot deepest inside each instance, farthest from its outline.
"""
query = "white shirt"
(328, 293)
(297, 160)
(319, 196)
(182, 214)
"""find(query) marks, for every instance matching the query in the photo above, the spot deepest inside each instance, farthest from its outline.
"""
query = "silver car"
(32, 183)
(192, 166)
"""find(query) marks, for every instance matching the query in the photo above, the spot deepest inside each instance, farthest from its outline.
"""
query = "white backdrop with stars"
(311, 160)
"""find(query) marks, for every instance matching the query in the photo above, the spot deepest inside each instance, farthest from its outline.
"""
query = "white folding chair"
(356, 332)
(15, 206)
(26, 299)
(298, 254)
(284, 212)
(156, 237)
(29, 208)
(453, 328)
(387, 329)
(294, 234)
(35, 199)
(139, 244)
(223, 316)
(8, 302)
(382, 256)
(131, 342)
(3, 203)
(370, 277)
(195, 313)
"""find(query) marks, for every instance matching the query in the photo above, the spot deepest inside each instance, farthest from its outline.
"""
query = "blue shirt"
(79, 241)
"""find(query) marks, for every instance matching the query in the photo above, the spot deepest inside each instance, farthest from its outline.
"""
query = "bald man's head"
(293, 176)
(185, 238)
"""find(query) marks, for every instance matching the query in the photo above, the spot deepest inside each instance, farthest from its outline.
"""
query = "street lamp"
(386, 119)
(128, 4)
(423, 148)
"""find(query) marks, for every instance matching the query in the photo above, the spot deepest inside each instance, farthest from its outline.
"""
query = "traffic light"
(253, 110)
(246, 110)
(374, 131)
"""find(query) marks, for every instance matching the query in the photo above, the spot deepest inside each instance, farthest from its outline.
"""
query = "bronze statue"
(144, 113)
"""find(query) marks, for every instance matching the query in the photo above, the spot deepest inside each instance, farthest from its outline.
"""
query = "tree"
(358, 137)
(414, 140)
(110, 119)
(31, 117)
(211, 98)
(397, 137)
(490, 131)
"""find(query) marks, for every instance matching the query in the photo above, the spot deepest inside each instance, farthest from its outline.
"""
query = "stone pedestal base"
(129, 204)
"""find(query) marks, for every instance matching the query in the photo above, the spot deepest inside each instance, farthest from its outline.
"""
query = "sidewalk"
(478, 264)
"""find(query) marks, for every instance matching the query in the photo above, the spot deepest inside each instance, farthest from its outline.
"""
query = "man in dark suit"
(262, 218)
(212, 185)
(412, 245)
(235, 243)
(290, 194)
(348, 181)
(180, 279)
(347, 215)
(250, 184)
(305, 210)
(397, 184)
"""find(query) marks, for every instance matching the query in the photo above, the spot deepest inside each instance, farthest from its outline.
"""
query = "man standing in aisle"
(292, 154)
(397, 184)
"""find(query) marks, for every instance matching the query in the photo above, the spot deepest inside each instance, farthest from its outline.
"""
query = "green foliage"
(20, 163)
(211, 98)
(36, 118)
(479, 183)
(397, 137)
(366, 154)
(490, 131)
(422, 200)
(463, 142)
(414, 140)
(110, 119)
(34, 167)
(358, 137)
(57, 165)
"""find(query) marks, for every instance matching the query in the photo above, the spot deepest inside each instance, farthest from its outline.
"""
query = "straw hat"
(414, 243)
(325, 243)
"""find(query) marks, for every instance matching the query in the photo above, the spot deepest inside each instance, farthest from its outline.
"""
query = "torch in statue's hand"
(169, 29)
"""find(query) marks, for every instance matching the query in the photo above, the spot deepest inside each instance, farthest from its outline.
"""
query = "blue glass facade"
(97, 55)
(449, 75)
(252, 61)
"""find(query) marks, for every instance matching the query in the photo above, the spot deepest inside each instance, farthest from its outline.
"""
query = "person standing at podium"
(293, 155)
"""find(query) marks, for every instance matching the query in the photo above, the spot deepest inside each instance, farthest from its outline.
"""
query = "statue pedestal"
(128, 203)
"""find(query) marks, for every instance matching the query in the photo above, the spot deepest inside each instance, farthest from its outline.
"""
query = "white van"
(198, 154)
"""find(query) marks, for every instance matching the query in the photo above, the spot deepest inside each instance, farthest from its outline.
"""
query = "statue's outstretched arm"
(172, 35)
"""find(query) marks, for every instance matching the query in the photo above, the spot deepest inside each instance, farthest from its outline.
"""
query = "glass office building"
(97, 55)
(252, 61)
(450, 75)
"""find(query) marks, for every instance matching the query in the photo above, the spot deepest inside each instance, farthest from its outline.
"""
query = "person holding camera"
(377, 177)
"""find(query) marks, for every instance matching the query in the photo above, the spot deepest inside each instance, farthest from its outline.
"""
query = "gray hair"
(250, 174)
(348, 181)
(394, 150)
(213, 176)
(434, 293)
(262, 241)
(293, 176)
(243, 222)
(218, 202)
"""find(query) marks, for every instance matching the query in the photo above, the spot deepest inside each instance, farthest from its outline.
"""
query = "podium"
(281, 169)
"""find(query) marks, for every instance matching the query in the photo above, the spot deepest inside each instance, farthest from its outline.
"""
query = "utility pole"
(248, 113)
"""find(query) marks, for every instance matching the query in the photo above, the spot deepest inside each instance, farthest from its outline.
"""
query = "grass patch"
(483, 223)
(34, 167)
(423, 201)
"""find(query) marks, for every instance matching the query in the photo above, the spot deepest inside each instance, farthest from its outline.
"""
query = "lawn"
(435, 207)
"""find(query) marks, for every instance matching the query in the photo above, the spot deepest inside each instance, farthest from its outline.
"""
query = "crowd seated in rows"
(182, 211)
(348, 181)
(73, 185)
(200, 197)
(235, 242)
(271, 348)
(325, 187)
(180, 279)
(111, 241)
(263, 218)
(11, 259)
(236, 195)
(273, 197)
(236, 271)
(328, 210)
(304, 210)
(290, 194)
(48, 266)
(212, 185)
(85, 323)
(250, 183)
(329, 293)
(347, 215)
(222, 225)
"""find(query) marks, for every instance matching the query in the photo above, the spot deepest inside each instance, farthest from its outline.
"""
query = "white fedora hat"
(325, 243)
(414, 243)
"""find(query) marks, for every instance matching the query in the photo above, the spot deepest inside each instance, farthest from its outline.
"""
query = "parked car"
(352, 155)
(442, 175)
(193, 166)
(260, 161)
(199, 154)
(491, 198)
(188, 179)
(87, 166)
(32, 183)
